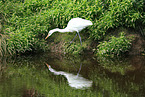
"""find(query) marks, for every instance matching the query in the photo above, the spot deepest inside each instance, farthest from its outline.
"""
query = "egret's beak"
(47, 65)
(47, 36)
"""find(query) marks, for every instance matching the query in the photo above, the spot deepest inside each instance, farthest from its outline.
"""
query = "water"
(72, 76)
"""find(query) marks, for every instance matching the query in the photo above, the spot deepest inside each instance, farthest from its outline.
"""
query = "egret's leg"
(73, 39)
(79, 70)
(80, 38)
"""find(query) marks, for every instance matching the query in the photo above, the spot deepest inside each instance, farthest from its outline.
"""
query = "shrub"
(3, 45)
(30, 21)
(128, 13)
(22, 41)
(36, 17)
(115, 46)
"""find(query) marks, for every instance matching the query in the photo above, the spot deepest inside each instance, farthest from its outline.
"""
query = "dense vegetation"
(115, 46)
(25, 23)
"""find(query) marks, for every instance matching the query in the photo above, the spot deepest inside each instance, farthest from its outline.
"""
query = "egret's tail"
(89, 22)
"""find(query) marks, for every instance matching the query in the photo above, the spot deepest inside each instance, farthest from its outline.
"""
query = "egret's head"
(51, 32)
(47, 65)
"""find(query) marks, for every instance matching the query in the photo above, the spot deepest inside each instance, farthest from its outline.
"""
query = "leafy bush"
(3, 45)
(28, 21)
(75, 49)
(114, 47)
(128, 13)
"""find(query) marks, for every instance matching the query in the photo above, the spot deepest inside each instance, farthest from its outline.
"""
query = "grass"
(115, 46)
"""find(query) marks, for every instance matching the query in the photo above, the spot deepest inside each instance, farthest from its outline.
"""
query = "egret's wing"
(77, 24)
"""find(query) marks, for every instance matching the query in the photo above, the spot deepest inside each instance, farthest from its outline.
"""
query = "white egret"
(74, 25)
(75, 81)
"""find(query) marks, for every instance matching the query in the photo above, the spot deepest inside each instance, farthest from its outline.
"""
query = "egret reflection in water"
(75, 81)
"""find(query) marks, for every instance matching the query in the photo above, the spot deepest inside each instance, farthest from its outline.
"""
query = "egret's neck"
(58, 30)
(63, 30)
(56, 72)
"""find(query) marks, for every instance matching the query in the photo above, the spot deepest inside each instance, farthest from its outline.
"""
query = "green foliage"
(37, 17)
(4, 46)
(119, 13)
(22, 28)
(75, 49)
(21, 41)
(115, 46)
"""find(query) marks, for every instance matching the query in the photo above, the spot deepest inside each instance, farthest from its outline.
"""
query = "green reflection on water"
(28, 76)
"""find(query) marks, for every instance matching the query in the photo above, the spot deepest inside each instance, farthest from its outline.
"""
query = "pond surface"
(72, 76)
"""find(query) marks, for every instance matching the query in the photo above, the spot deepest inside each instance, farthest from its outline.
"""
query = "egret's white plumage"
(74, 25)
(77, 24)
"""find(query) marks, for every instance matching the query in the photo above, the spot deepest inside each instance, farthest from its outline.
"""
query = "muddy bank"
(61, 44)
